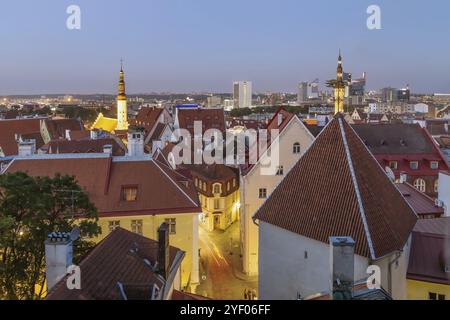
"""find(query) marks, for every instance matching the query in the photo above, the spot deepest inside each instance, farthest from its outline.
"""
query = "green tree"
(31, 208)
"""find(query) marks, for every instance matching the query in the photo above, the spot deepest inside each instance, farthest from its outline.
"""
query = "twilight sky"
(203, 45)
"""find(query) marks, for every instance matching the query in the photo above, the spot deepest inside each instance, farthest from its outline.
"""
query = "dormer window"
(217, 188)
(129, 193)
(393, 165)
(434, 165)
(414, 165)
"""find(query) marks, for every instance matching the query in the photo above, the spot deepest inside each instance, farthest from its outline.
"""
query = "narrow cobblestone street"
(220, 265)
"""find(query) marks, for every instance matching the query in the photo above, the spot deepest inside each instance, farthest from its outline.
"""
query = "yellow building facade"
(423, 290)
(219, 213)
(218, 189)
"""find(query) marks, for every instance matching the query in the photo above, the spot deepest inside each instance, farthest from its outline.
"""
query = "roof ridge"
(176, 184)
(357, 191)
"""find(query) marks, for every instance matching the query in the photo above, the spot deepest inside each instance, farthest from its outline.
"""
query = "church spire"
(121, 87)
(122, 116)
(338, 86)
(340, 72)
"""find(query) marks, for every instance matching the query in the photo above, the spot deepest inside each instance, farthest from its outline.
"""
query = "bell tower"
(339, 87)
(122, 121)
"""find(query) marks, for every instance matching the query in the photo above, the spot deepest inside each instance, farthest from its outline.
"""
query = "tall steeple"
(339, 87)
(121, 87)
(340, 72)
(122, 122)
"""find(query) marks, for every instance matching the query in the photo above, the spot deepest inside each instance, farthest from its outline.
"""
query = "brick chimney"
(108, 149)
(68, 134)
(163, 250)
(342, 264)
(58, 257)
(403, 177)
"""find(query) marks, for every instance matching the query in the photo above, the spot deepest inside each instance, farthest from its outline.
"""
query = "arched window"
(436, 185)
(420, 184)
(296, 148)
(217, 188)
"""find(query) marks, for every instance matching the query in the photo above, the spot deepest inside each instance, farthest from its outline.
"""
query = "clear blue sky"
(203, 45)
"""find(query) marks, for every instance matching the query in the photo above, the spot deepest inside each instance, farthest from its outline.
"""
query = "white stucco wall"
(444, 191)
(284, 272)
(253, 181)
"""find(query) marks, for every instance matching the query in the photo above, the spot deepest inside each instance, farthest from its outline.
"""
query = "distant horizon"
(203, 46)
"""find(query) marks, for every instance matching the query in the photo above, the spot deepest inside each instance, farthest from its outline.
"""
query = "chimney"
(342, 264)
(403, 177)
(135, 141)
(108, 148)
(163, 250)
(58, 257)
(94, 134)
(280, 119)
(68, 134)
(26, 148)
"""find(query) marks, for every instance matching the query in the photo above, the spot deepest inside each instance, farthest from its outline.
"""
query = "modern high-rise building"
(302, 95)
(395, 95)
(314, 89)
(242, 94)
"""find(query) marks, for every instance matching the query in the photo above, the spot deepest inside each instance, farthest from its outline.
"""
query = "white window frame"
(420, 184)
(414, 165)
(172, 222)
(113, 225)
(137, 226)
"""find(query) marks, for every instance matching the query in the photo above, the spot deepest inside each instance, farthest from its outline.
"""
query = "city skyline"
(203, 47)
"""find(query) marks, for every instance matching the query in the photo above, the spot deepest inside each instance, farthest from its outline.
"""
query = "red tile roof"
(111, 262)
(80, 134)
(212, 118)
(9, 128)
(147, 117)
(338, 189)
(57, 127)
(422, 204)
(159, 191)
(430, 251)
(285, 118)
(158, 131)
(83, 146)
(394, 138)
